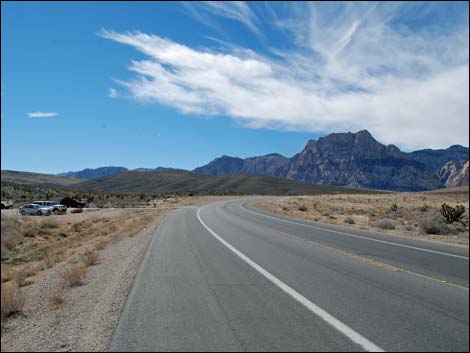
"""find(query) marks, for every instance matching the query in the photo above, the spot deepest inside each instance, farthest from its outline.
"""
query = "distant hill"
(28, 178)
(182, 181)
(355, 160)
(90, 173)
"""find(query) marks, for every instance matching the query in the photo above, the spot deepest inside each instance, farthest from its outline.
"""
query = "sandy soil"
(370, 211)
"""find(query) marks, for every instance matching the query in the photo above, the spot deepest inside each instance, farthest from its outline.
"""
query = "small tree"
(452, 214)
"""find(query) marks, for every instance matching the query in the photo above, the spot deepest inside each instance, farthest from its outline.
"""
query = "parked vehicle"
(33, 209)
(53, 205)
(6, 204)
(70, 202)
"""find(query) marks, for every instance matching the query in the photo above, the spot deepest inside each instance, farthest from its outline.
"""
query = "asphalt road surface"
(229, 277)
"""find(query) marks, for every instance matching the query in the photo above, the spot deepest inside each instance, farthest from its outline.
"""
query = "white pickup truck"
(7, 204)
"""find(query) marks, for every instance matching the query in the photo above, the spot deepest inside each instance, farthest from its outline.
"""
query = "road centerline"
(315, 309)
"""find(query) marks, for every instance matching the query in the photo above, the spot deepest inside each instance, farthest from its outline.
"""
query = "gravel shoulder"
(86, 320)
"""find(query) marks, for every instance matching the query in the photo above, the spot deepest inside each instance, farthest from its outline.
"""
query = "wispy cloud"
(234, 10)
(351, 67)
(42, 114)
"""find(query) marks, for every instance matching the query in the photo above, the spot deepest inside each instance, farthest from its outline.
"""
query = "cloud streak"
(42, 114)
(349, 69)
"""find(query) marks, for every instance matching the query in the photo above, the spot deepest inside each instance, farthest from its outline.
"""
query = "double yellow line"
(360, 258)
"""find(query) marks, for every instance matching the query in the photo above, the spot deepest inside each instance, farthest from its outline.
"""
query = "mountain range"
(341, 159)
(94, 173)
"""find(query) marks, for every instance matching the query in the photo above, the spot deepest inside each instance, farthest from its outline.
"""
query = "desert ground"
(406, 214)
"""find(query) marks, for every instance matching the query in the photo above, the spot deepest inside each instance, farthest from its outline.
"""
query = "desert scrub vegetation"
(452, 214)
(89, 258)
(56, 299)
(411, 214)
(12, 299)
(74, 276)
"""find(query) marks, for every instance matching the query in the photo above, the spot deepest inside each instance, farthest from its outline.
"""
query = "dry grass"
(13, 299)
(74, 276)
(89, 258)
(409, 214)
(56, 299)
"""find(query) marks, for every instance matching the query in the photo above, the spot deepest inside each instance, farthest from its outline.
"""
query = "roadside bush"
(424, 208)
(56, 299)
(74, 276)
(452, 214)
(385, 223)
(349, 220)
(90, 258)
(12, 298)
(11, 234)
(433, 225)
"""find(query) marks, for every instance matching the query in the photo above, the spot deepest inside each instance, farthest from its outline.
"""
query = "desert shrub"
(56, 299)
(77, 210)
(302, 208)
(385, 223)
(394, 207)
(74, 276)
(284, 208)
(433, 225)
(11, 234)
(452, 214)
(90, 258)
(424, 208)
(349, 220)
(12, 298)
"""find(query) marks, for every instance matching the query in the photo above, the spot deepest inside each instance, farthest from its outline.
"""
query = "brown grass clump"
(89, 258)
(74, 276)
(12, 298)
(77, 210)
(56, 299)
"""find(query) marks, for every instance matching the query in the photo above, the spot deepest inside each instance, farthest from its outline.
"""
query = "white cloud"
(42, 114)
(234, 10)
(349, 70)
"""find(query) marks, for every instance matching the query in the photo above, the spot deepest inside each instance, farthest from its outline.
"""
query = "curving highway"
(229, 277)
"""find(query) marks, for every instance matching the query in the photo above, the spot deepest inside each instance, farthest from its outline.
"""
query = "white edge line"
(325, 316)
(353, 235)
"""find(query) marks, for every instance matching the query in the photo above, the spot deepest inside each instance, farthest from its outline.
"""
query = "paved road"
(228, 277)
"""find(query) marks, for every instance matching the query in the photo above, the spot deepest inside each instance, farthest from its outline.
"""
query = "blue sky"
(178, 84)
